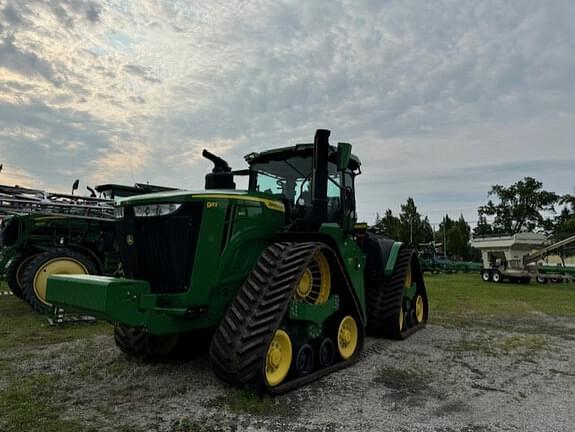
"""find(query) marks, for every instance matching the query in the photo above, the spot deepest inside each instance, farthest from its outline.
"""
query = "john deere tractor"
(281, 274)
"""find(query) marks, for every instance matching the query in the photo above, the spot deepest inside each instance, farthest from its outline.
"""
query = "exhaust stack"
(320, 173)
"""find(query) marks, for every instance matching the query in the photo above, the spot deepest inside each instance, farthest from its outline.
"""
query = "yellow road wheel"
(401, 319)
(63, 265)
(278, 358)
(419, 308)
(408, 281)
(315, 284)
(347, 337)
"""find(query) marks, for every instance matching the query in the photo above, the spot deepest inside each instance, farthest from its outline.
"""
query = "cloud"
(24, 62)
(140, 71)
(17, 177)
(440, 99)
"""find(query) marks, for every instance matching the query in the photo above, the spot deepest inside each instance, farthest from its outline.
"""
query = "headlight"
(118, 212)
(155, 209)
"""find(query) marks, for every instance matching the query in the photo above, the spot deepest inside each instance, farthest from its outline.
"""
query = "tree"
(458, 238)
(520, 206)
(388, 225)
(483, 228)
(565, 222)
(409, 227)
(413, 229)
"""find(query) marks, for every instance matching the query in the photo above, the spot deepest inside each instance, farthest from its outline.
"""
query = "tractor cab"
(315, 181)
(290, 174)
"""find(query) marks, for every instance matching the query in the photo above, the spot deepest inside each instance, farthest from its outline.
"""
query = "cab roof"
(303, 150)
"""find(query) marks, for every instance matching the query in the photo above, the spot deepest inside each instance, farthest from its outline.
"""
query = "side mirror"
(343, 155)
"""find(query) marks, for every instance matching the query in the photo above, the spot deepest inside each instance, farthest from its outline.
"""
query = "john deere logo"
(130, 240)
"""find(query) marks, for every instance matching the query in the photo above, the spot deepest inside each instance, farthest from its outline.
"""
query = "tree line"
(521, 207)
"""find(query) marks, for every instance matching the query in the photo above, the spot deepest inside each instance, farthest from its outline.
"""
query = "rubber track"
(239, 346)
(384, 300)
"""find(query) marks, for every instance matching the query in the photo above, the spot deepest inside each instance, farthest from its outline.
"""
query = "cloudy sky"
(441, 99)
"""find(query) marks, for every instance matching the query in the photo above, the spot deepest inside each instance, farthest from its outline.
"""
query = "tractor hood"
(212, 194)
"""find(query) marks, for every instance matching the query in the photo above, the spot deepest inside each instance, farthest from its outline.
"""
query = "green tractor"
(280, 274)
(49, 233)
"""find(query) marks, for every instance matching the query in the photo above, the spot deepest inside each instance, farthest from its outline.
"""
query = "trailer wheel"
(541, 280)
(55, 261)
(496, 277)
(486, 275)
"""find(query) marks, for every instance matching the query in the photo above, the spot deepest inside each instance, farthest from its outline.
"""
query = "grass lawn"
(465, 300)
(21, 326)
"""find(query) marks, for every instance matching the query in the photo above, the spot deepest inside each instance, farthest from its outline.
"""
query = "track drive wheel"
(14, 274)
(55, 261)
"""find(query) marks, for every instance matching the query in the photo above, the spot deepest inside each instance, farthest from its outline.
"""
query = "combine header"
(280, 274)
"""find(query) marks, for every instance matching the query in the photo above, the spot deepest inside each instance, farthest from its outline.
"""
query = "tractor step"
(58, 317)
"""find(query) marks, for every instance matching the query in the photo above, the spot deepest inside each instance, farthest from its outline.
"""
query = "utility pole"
(444, 237)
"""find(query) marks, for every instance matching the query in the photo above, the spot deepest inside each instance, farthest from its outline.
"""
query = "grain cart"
(515, 258)
(281, 272)
(45, 233)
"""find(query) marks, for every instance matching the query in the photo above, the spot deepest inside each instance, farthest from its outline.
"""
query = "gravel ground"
(441, 379)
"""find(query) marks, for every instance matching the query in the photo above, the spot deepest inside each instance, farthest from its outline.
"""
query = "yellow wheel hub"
(64, 265)
(278, 358)
(408, 281)
(419, 309)
(347, 337)
(305, 284)
(315, 284)
(401, 319)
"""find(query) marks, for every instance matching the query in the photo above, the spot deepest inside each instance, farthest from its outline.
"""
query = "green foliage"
(409, 227)
(565, 222)
(520, 207)
(458, 236)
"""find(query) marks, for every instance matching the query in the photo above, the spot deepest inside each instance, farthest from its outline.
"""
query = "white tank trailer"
(518, 258)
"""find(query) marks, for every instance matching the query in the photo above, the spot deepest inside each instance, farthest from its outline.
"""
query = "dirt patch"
(441, 379)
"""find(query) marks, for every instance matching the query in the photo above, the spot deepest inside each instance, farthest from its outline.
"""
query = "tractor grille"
(160, 249)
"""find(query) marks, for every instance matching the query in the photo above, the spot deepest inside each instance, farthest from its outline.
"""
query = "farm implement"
(44, 233)
(518, 258)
